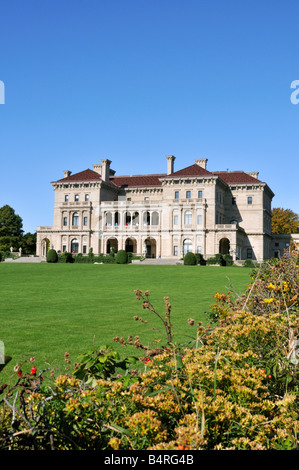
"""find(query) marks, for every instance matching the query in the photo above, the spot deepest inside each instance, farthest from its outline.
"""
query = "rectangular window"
(84, 249)
(199, 219)
(175, 220)
(188, 194)
(199, 194)
(249, 253)
(63, 248)
(64, 221)
(76, 197)
(176, 194)
(85, 221)
(66, 198)
(198, 249)
(249, 200)
(234, 200)
(86, 197)
(146, 198)
(175, 250)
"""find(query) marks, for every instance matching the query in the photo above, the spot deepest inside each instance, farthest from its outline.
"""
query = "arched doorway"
(74, 246)
(112, 244)
(224, 246)
(150, 248)
(187, 246)
(131, 245)
(45, 245)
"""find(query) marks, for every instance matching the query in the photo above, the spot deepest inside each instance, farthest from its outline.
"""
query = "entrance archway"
(112, 243)
(150, 248)
(187, 246)
(131, 245)
(45, 245)
(74, 246)
(224, 246)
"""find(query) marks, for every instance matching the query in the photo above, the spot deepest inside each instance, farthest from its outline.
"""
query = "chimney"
(106, 169)
(170, 164)
(97, 167)
(254, 174)
(67, 173)
(202, 162)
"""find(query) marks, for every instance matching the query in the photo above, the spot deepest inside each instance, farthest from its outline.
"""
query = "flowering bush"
(235, 387)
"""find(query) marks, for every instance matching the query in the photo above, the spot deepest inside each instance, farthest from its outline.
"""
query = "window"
(188, 194)
(76, 197)
(85, 219)
(199, 219)
(86, 197)
(84, 249)
(64, 221)
(176, 194)
(66, 198)
(188, 218)
(249, 200)
(146, 198)
(175, 250)
(175, 220)
(234, 201)
(63, 248)
(75, 221)
(198, 249)
(249, 253)
(199, 194)
(249, 188)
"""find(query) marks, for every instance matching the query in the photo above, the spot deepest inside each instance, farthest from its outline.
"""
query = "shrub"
(66, 257)
(200, 259)
(189, 259)
(52, 256)
(248, 263)
(228, 260)
(121, 257)
(211, 260)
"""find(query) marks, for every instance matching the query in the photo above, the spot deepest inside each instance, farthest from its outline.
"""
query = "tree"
(28, 243)
(11, 226)
(284, 221)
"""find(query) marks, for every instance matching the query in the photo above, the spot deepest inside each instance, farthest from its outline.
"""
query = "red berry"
(19, 373)
(33, 370)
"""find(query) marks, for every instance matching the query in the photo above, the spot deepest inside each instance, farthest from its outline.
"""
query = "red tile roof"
(192, 170)
(86, 175)
(137, 180)
(231, 177)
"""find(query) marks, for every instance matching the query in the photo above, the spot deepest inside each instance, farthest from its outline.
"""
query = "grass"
(48, 309)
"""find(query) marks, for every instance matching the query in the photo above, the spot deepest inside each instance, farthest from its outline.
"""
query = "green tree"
(11, 228)
(28, 243)
(284, 221)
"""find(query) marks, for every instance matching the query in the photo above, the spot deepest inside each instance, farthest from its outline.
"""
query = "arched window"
(108, 219)
(188, 218)
(75, 219)
(155, 218)
(135, 220)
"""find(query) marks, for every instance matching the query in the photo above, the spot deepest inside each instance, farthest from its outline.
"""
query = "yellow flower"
(268, 301)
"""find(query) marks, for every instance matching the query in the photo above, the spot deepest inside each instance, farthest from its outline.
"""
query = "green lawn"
(48, 309)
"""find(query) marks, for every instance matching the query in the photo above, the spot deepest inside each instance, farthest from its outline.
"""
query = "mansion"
(161, 215)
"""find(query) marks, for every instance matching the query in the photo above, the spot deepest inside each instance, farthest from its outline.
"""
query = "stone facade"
(161, 215)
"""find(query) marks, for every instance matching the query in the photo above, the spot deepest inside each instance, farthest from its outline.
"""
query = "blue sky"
(135, 80)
